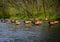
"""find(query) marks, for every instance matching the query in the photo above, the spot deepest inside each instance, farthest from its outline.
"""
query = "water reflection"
(29, 32)
(54, 33)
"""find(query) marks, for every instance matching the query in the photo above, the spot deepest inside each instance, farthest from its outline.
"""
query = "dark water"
(29, 33)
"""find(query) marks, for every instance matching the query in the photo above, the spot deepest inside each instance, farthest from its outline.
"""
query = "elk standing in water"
(4, 20)
(17, 22)
(27, 21)
(12, 21)
(36, 22)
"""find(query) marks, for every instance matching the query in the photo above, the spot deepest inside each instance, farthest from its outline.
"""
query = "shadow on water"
(54, 33)
(29, 32)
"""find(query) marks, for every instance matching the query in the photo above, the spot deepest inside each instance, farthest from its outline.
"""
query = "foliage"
(25, 9)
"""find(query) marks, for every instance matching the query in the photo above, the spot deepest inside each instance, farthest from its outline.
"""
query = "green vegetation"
(25, 9)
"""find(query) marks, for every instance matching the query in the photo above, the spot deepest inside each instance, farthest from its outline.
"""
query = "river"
(10, 32)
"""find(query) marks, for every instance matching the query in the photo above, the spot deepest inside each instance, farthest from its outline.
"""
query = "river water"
(10, 32)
